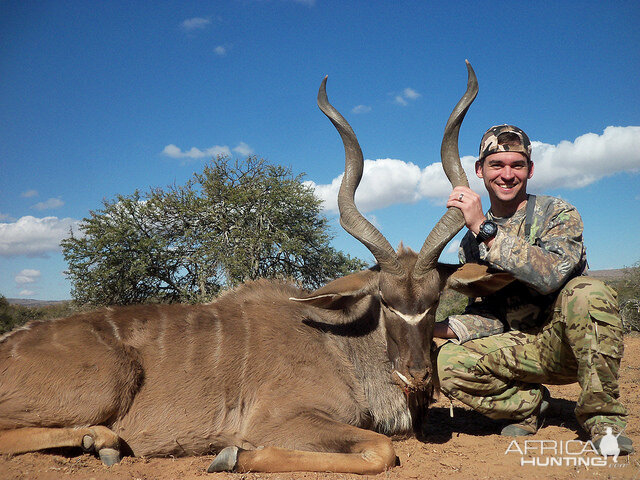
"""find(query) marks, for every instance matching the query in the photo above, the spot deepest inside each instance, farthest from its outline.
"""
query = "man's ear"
(479, 169)
(342, 292)
(530, 169)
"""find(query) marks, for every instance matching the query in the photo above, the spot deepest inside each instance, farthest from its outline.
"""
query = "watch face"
(489, 228)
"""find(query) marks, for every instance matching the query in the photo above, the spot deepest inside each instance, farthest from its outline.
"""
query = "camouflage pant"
(500, 375)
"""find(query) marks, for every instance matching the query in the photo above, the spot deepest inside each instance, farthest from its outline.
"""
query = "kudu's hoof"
(109, 456)
(225, 461)
(88, 443)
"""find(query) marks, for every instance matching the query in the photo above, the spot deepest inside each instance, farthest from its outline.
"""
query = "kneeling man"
(550, 325)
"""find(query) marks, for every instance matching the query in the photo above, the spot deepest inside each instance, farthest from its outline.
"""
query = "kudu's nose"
(419, 374)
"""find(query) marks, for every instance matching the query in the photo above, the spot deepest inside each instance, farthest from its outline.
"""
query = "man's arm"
(548, 264)
(468, 326)
(476, 321)
(544, 266)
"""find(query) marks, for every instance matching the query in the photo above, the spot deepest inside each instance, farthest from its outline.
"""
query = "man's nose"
(507, 172)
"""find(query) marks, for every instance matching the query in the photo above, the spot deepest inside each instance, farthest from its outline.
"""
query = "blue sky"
(102, 98)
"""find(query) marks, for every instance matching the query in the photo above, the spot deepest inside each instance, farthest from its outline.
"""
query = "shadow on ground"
(440, 427)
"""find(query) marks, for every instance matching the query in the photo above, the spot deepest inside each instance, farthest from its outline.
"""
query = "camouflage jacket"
(542, 264)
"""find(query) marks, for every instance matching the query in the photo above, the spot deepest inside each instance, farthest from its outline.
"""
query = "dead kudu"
(284, 379)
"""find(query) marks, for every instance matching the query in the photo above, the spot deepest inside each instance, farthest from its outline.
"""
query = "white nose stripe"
(410, 319)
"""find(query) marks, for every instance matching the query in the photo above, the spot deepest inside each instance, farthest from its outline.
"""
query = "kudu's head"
(405, 286)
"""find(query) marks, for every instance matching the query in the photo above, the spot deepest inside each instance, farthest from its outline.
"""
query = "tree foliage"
(451, 303)
(235, 221)
(8, 318)
(628, 288)
(13, 316)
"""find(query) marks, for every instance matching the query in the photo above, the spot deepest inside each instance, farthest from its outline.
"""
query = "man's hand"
(470, 204)
(442, 330)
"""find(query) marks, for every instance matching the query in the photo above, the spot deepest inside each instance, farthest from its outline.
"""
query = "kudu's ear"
(476, 280)
(342, 292)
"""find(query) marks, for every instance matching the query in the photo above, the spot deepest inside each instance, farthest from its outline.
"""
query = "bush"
(630, 312)
(628, 288)
(13, 316)
(234, 222)
(451, 303)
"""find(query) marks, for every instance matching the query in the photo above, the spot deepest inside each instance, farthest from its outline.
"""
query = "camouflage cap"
(505, 138)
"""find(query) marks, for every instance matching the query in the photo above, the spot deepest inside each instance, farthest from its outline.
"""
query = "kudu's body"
(311, 377)
(251, 369)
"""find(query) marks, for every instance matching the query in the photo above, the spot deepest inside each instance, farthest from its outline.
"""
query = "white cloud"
(220, 50)
(27, 276)
(408, 94)
(174, 152)
(587, 159)
(49, 204)
(217, 150)
(453, 247)
(401, 101)
(29, 194)
(34, 237)
(384, 182)
(196, 23)
(243, 149)
(26, 293)
(361, 109)
(574, 164)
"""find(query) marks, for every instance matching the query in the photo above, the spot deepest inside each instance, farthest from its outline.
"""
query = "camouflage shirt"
(542, 264)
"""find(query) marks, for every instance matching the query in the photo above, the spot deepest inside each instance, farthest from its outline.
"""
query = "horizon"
(100, 99)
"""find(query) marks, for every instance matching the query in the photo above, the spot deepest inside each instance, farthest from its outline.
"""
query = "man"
(550, 325)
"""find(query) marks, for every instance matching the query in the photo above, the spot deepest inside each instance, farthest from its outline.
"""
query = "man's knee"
(590, 310)
(456, 365)
(589, 288)
(448, 357)
(441, 362)
(588, 297)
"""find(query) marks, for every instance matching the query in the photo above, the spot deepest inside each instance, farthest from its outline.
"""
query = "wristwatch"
(488, 230)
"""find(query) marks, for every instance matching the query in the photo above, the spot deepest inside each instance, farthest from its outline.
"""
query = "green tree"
(628, 288)
(12, 316)
(235, 221)
(451, 303)
(8, 319)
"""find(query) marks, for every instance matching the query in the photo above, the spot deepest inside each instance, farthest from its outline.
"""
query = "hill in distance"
(610, 275)
(30, 302)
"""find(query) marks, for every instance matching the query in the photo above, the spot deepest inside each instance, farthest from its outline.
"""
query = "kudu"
(286, 380)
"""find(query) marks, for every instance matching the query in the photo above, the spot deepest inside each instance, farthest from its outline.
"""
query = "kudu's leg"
(50, 394)
(355, 451)
(29, 439)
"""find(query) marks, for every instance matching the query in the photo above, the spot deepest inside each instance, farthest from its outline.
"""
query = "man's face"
(505, 176)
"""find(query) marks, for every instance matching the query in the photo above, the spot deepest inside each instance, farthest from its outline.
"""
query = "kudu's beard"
(421, 396)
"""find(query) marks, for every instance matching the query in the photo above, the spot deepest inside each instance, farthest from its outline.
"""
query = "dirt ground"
(466, 446)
